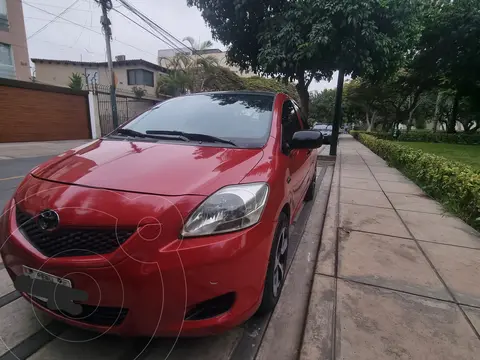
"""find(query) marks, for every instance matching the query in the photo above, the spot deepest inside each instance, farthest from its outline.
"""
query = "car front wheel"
(277, 266)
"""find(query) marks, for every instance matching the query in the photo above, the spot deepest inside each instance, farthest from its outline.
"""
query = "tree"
(76, 81)
(187, 73)
(219, 78)
(365, 98)
(139, 91)
(305, 40)
(448, 51)
(322, 105)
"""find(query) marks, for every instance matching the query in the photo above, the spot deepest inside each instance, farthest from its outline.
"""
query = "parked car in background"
(176, 223)
(326, 131)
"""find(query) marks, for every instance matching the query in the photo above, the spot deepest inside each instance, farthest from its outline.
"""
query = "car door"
(296, 158)
(307, 157)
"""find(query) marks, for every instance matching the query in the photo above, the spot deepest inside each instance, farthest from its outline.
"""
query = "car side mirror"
(306, 139)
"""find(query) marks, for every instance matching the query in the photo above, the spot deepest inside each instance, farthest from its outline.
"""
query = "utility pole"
(105, 21)
(337, 119)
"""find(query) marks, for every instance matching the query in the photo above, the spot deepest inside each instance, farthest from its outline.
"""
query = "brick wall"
(37, 112)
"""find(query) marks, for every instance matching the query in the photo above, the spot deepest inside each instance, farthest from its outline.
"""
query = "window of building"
(140, 77)
(3, 15)
(7, 67)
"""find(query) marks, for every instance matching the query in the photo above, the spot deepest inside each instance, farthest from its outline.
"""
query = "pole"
(105, 21)
(337, 119)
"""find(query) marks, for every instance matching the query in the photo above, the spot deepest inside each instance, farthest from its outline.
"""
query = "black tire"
(311, 189)
(273, 283)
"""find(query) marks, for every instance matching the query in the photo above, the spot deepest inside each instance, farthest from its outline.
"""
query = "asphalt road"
(27, 334)
(12, 172)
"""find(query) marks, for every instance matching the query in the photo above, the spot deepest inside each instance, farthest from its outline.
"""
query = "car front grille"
(93, 315)
(70, 241)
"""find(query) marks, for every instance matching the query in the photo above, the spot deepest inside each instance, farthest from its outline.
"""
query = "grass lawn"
(468, 154)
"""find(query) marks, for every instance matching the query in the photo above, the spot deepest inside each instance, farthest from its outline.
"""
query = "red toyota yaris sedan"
(176, 223)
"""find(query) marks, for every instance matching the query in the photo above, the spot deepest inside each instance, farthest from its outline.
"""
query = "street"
(28, 334)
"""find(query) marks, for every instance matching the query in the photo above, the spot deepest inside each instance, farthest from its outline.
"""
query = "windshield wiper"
(130, 132)
(192, 136)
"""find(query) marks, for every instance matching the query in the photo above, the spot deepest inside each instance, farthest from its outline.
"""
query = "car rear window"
(242, 118)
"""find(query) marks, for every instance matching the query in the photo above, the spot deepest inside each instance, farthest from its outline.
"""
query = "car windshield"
(323, 127)
(244, 119)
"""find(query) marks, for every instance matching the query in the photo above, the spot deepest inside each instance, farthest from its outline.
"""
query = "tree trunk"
(437, 114)
(338, 112)
(369, 124)
(452, 122)
(410, 119)
(304, 95)
(372, 119)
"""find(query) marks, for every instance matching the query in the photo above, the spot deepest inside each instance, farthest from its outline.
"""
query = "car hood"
(154, 168)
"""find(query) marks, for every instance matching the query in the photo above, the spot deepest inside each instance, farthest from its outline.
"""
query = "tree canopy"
(305, 40)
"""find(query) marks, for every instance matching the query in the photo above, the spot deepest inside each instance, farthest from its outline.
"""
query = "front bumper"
(156, 283)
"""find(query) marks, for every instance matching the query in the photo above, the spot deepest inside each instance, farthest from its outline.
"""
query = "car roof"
(237, 92)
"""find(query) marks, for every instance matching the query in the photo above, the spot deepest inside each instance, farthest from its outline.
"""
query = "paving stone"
(384, 170)
(400, 187)
(217, 347)
(327, 251)
(473, 315)
(459, 268)
(374, 323)
(375, 163)
(364, 197)
(440, 228)
(318, 335)
(284, 333)
(356, 167)
(79, 344)
(421, 203)
(362, 184)
(358, 174)
(371, 219)
(392, 177)
(6, 284)
(19, 320)
(389, 262)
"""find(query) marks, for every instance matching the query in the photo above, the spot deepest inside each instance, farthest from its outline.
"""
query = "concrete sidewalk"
(35, 149)
(396, 277)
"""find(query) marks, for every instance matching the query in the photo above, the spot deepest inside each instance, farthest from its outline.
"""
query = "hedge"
(454, 184)
(427, 136)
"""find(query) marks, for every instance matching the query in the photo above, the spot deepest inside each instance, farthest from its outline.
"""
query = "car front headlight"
(231, 208)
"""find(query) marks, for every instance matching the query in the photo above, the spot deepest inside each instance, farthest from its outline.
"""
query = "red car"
(175, 223)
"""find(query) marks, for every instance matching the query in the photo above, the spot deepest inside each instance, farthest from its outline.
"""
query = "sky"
(84, 42)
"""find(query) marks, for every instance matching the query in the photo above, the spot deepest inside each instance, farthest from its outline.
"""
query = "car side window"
(303, 118)
(290, 122)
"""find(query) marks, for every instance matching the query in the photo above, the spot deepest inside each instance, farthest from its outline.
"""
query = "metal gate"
(127, 108)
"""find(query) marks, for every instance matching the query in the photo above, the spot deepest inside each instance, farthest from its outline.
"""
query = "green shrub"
(428, 136)
(454, 184)
(378, 135)
(440, 137)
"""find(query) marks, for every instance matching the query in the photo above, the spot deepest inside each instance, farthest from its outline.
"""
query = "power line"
(55, 18)
(164, 40)
(57, 21)
(157, 28)
(56, 6)
(87, 28)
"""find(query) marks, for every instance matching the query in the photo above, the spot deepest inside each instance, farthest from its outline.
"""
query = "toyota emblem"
(48, 220)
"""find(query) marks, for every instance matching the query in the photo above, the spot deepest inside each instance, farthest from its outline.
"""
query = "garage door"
(37, 112)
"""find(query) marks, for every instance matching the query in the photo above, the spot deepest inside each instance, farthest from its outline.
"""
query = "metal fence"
(128, 107)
